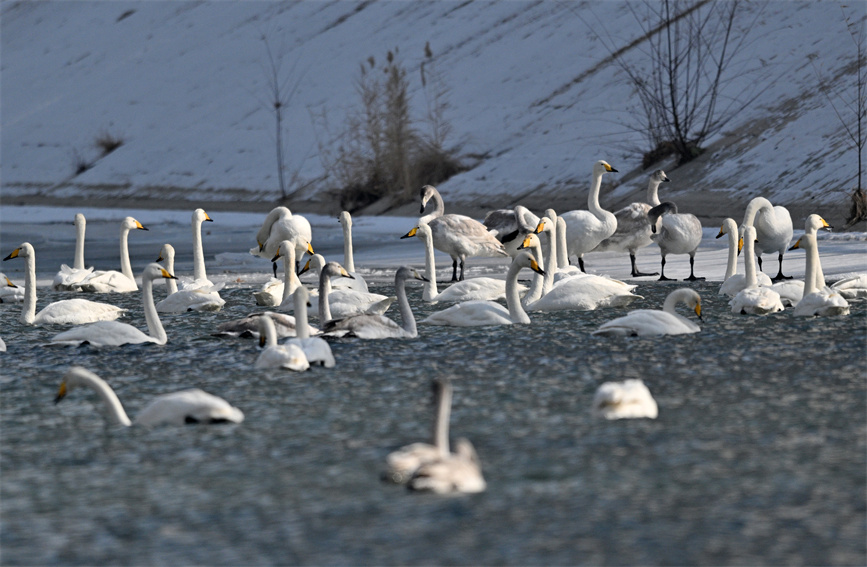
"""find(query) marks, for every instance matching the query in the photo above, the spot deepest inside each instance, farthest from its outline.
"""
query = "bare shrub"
(106, 142)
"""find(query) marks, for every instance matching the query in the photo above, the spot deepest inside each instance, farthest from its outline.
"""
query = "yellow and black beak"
(534, 265)
(526, 243)
(208, 218)
(539, 227)
(139, 226)
(722, 232)
(61, 393)
(345, 274)
(9, 283)
(796, 245)
(610, 169)
(740, 244)
(698, 310)
(305, 269)
(310, 249)
(276, 256)
(262, 340)
(826, 226)
(14, 254)
(411, 233)
(167, 275)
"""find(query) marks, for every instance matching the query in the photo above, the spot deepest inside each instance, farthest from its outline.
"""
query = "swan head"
(345, 219)
(80, 220)
(728, 226)
(526, 260)
(663, 208)
(332, 269)
(155, 271)
(167, 253)
(815, 223)
(603, 166)
(74, 377)
(287, 249)
(23, 251)
(315, 262)
(130, 223)
(530, 242)
(426, 193)
(659, 176)
(199, 215)
(405, 273)
(413, 231)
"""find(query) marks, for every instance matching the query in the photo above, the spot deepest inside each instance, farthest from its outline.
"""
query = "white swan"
(586, 229)
(457, 235)
(200, 279)
(564, 268)
(2, 345)
(629, 399)
(818, 299)
(633, 225)
(482, 288)
(280, 225)
(248, 327)
(315, 349)
(754, 300)
(773, 229)
(68, 279)
(733, 281)
(276, 291)
(481, 313)
(510, 226)
(177, 408)
(107, 281)
(64, 312)
(652, 322)
(185, 299)
(357, 282)
(114, 333)
(342, 302)
(9, 292)
(851, 287)
(678, 233)
(379, 326)
(275, 355)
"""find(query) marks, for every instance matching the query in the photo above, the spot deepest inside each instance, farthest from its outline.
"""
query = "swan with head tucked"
(773, 230)
(64, 312)
(68, 279)
(9, 292)
(357, 282)
(458, 236)
(366, 326)
(315, 349)
(481, 313)
(629, 399)
(733, 281)
(275, 355)
(342, 302)
(818, 299)
(653, 322)
(510, 226)
(248, 327)
(633, 225)
(678, 233)
(106, 281)
(185, 299)
(275, 291)
(114, 333)
(754, 300)
(586, 229)
(280, 225)
(177, 408)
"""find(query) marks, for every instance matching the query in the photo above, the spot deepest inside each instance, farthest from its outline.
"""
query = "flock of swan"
(346, 308)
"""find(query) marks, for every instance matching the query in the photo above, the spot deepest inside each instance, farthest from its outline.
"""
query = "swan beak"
(159, 258)
(698, 310)
(610, 169)
(167, 275)
(262, 341)
(61, 393)
(535, 267)
(526, 244)
(412, 232)
(305, 269)
(796, 245)
(310, 249)
(139, 226)
(665, 179)
(421, 210)
(539, 227)
(276, 257)
(14, 254)
(826, 226)
(346, 274)
(208, 218)
(418, 276)
(721, 232)
(740, 244)
(9, 283)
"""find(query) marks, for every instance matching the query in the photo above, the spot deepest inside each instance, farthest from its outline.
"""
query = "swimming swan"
(113, 333)
(773, 229)
(275, 355)
(754, 300)
(654, 323)
(678, 233)
(315, 349)
(280, 225)
(275, 291)
(9, 292)
(177, 408)
(629, 399)
(586, 229)
(818, 299)
(64, 312)
(480, 313)
(342, 302)
(733, 281)
(185, 299)
(200, 279)
(107, 281)
(68, 279)
(633, 225)
(357, 282)
(458, 236)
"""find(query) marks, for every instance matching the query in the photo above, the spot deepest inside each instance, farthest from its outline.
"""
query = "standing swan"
(733, 281)
(586, 229)
(773, 229)
(68, 279)
(357, 283)
(65, 312)
(754, 300)
(113, 333)
(654, 323)
(111, 280)
(679, 233)
(633, 225)
(275, 355)
(629, 399)
(177, 408)
(818, 299)
(280, 225)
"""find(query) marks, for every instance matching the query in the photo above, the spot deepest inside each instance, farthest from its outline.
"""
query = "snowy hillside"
(183, 84)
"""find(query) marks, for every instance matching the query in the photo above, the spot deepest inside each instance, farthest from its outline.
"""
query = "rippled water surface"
(758, 454)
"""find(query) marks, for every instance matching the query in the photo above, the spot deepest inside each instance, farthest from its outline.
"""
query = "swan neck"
(290, 278)
(753, 208)
(198, 252)
(439, 206)
(348, 259)
(513, 301)
(155, 326)
(441, 423)
(302, 328)
(679, 296)
(406, 314)
(813, 266)
(538, 285)
(430, 271)
(78, 261)
(110, 401)
(171, 284)
(28, 310)
(750, 276)
(653, 192)
(732, 265)
(562, 251)
(125, 266)
(593, 196)
(324, 290)
(550, 266)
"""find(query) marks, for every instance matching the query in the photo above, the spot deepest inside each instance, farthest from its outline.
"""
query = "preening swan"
(65, 312)
(106, 281)
(113, 333)
(652, 322)
(586, 229)
(457, 235)
(280, 225)
(754, 300)
(510, 226)
(342, 302)
(315, 349)
(357, 282)
(275, 355)
(818, 299)
(185, 299)
(480, 313)
(379, 326)
(633, 225)
(773, 229)
(68, 279)
(733, 281)
(629, 399)
(851, 287)
(9, 292)
(275, 291)
(177, 408)
(678, 233)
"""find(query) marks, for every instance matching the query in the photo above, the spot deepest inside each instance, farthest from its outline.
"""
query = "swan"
(280, 225)
(200, 279)
(342, 302)
(532, 243)
(177, 408)
(733, 281)
(629, 399)
(10, 293)
(564, 268)
(818, 299)
(248, 327)
(185, 299)
(68, 279)
(357, 282)
(315, 349)
(510, 226)
(378, 326)
(275, 355)
(64, 312)
(586, 229)
(679, 233)
(2, 345)
(773, 230)
(106, 281)
(276, 291)
(114, 333)
(754, 300)
(851, 287)
(480, 313)
(653, 322)
(457, 235)
(633, 225)
(482, 288)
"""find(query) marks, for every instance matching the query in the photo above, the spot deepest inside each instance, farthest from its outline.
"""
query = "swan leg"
(462, 269)
(662, 277)
(780, 275)
(581, 264)
(692, 277)
(274, 267)
(635, 272)
(455, 269)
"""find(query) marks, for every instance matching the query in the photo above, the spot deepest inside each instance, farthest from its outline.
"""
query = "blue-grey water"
(757, 457)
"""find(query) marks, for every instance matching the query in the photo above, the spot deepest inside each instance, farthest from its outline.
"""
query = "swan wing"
(316, 349)
(188, 406)
(287, 356)
(191, 300)
(365, 326)
(633, 230)
(852, 287)
(756, 301)
(271, 293)
(109, 281)
(823, 303)
(461, 235)
(452, 474)
(475, 289)
(69, 279)
(103, 333)
(406, 460)
(625, 400)
(77, 312)
(586, 293)
(647, 323)
(471, 314)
